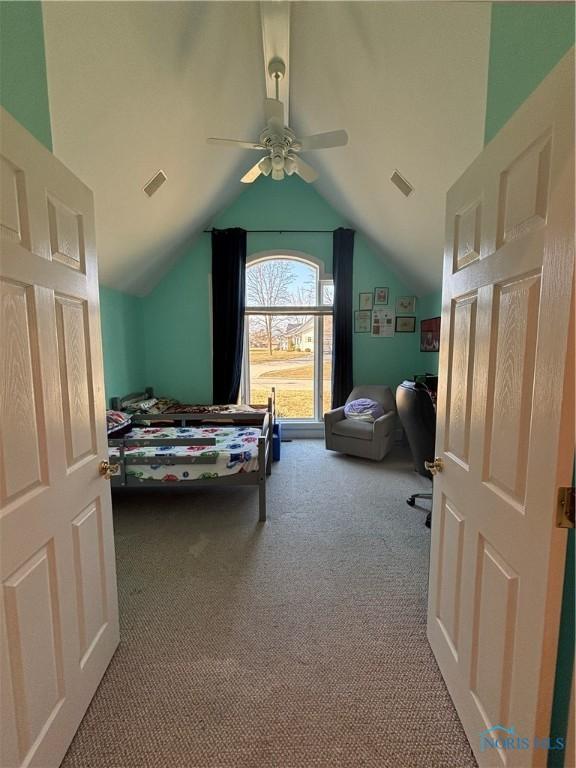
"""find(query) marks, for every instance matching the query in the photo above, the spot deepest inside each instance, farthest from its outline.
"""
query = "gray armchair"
(370, 440)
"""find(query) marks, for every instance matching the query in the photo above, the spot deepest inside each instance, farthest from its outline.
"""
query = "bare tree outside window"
(267, 285)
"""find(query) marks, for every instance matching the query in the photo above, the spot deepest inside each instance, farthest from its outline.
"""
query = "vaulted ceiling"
(139, 86)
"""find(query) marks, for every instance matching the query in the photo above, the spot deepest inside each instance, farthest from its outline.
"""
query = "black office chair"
(418, 417)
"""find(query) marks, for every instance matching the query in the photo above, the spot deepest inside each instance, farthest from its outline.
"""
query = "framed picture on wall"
(405, 305)
(382, 323)
(362, 321)
(366, 301)
(380, 296)
(405, 324)
(430, 335)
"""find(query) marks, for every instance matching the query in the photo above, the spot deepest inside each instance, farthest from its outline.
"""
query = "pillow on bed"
(116, 420)
(162, 404)
(141, 405)
(363, 410)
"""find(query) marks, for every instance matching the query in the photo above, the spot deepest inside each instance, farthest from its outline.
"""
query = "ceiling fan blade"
(274, 112)
(252, 174)
(324, 140)
(304, 170)
(235, 143)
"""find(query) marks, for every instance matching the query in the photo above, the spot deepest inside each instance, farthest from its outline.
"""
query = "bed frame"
(263, 419)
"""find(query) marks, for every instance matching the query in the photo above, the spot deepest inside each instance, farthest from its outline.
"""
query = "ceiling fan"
(281, 143)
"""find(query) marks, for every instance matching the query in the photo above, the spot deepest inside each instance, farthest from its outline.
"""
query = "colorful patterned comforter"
(236, 450)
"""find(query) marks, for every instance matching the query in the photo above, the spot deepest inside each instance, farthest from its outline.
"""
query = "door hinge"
(565, 508)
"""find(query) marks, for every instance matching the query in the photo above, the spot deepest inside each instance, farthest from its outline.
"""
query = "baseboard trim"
(314, 430)
(302, 430)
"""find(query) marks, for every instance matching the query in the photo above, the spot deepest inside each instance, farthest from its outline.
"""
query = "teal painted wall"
(177, 313)
(177, 327)
(122, 342)
(381, 360)
(526, 41)
(23, 85)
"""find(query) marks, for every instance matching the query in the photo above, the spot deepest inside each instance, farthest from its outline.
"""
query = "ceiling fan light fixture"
(277, 162)
(277, 174)
(289, 165)
(265, 166)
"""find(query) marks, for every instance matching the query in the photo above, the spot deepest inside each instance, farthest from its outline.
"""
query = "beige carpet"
(296, 644)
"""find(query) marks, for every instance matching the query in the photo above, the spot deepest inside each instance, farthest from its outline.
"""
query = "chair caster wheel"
(411, 501)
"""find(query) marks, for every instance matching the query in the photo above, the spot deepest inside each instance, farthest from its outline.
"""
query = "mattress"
(236, 450)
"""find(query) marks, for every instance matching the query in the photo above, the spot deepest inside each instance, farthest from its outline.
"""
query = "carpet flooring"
(299, 643)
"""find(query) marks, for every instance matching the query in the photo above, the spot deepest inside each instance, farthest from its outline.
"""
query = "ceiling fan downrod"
(276, 70)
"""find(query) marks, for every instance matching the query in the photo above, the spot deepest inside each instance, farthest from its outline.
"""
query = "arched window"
(288, 342)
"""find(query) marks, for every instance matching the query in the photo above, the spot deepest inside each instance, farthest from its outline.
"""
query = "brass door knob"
(104, 469)
(434, 466)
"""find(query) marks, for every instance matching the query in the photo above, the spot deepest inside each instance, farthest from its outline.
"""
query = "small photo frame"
(405, 305)
(405, 324)
(380, 296)
(366, 301)
(430, 335)
(362, 321)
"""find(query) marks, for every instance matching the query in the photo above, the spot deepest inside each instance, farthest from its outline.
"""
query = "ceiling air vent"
(155, 183)
(399, 181)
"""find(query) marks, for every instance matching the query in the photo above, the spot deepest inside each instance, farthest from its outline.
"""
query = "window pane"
(328, 293)
(281, 349)
(327, 364)
(280, 283)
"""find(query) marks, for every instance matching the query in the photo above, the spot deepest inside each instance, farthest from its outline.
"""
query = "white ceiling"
(138, 86)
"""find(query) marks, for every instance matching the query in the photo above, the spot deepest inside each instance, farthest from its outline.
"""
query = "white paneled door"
(59, 609)
(505, 428)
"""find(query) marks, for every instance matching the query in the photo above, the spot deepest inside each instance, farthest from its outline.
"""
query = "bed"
(189, 445)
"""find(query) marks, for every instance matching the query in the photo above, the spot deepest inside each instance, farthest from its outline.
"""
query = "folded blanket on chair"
(363, 410)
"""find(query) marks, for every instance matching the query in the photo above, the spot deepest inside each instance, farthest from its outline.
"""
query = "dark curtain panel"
(228, 302)
(342, 264)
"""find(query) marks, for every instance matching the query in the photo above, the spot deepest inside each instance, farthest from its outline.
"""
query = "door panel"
(24, 466)
(35, 648)
(496, 604)
(13, 214)
(467, 229)
(90, 571)
(58, 585)
(504, 430)
(461, 379)
(511, 384)
(75, 375)
(66, 239)
(449, 584)
(523, 199)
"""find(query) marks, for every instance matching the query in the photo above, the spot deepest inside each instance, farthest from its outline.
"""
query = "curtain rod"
(281, 231)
